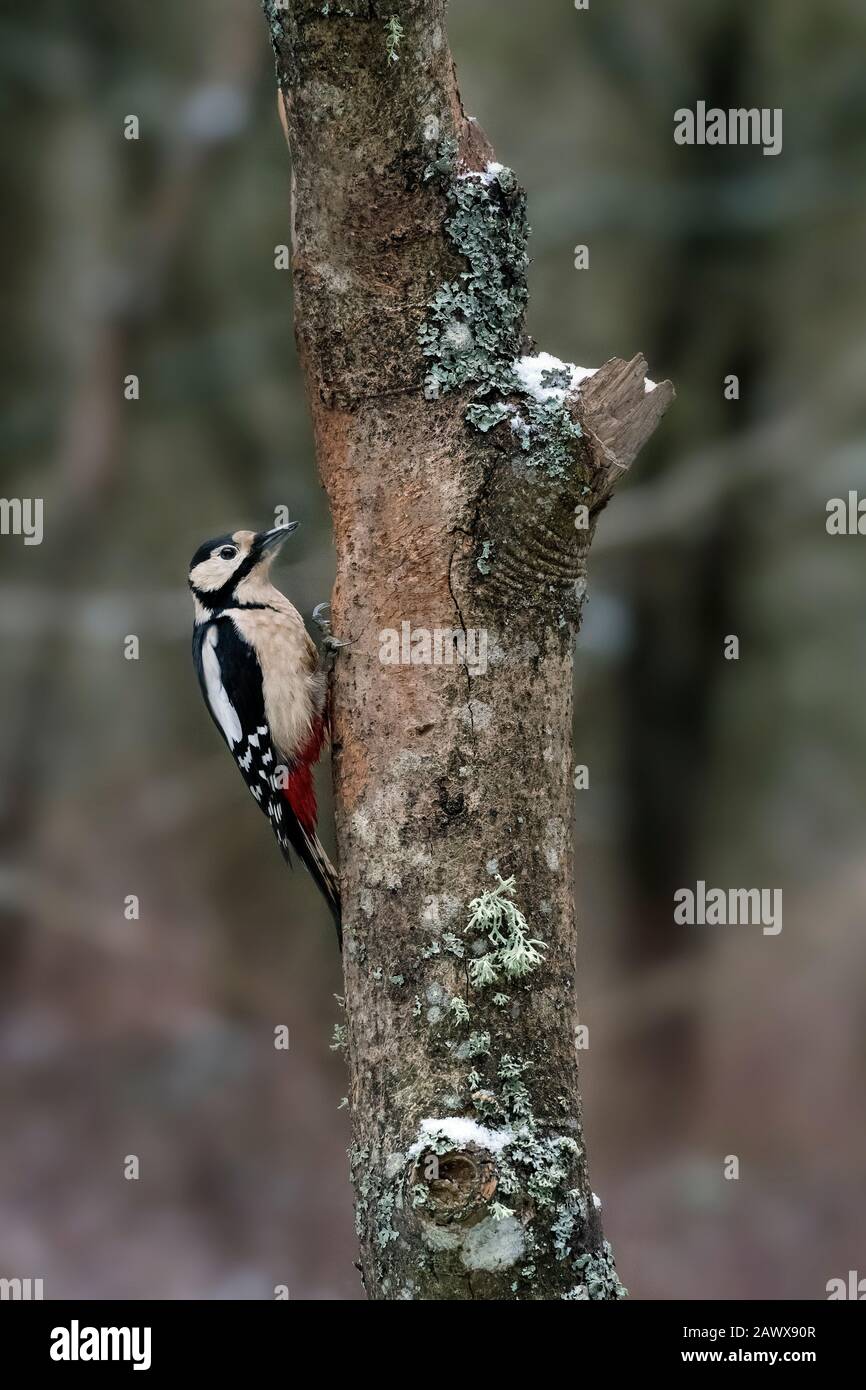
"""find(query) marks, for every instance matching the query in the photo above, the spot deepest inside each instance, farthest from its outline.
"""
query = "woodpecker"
(261, 680)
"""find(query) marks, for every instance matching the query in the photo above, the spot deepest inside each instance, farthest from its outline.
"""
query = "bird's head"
(231, 569)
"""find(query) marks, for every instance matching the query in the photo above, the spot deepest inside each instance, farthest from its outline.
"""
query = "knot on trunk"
(456, 1186)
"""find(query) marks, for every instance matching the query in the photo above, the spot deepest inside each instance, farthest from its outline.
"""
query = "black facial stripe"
(222, 597)
(247, 566)
(216, 606)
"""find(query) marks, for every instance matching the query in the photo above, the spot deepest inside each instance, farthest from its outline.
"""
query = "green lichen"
(600, 1278)
(476, 1045)
(515, 1096)
(570, 1221)
(483, 972)
(486, 415)
(384, 1212)
(437, 1141)
(339, 1038)
(537, 1163)
(473, 332)
(474, 326)
(513, 952)
(453, 944)
(359, 1166)
(473, 336)
(483, 561)
(459, 1009)
(393, 34)
(546, 434)
(487, 1107)
(275, 11)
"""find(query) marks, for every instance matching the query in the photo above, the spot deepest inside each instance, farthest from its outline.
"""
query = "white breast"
(283, 649)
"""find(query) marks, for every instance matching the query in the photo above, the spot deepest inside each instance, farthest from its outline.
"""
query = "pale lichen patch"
(493, 1244)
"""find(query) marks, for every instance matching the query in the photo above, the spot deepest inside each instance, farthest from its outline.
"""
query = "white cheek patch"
(224, 711)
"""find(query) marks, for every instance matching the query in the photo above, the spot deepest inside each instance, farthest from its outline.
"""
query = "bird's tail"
(311, 850)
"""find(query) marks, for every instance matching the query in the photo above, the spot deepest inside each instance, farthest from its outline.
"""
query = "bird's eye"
(228, 552)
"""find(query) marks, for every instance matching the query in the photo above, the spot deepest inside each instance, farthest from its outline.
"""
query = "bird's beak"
(269, 542)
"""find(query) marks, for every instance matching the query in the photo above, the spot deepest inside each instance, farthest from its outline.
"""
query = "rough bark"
(456, 496)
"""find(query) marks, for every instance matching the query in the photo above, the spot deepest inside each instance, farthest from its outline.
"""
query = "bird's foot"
(330, 644)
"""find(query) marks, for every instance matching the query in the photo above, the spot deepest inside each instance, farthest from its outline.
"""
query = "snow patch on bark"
(460, 1131)
(531, 370)
(486, 175)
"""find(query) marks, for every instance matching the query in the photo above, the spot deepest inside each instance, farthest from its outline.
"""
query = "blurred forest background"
(155, 1037)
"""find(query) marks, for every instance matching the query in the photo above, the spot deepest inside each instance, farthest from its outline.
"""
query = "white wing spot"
(222, 708)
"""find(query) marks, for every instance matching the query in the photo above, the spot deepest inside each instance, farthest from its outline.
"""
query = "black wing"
(231, 683)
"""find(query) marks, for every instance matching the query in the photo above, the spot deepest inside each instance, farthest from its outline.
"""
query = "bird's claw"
(330, 644)
(322, 618)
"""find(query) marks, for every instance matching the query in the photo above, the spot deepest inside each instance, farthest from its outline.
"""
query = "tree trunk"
(464, 491)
